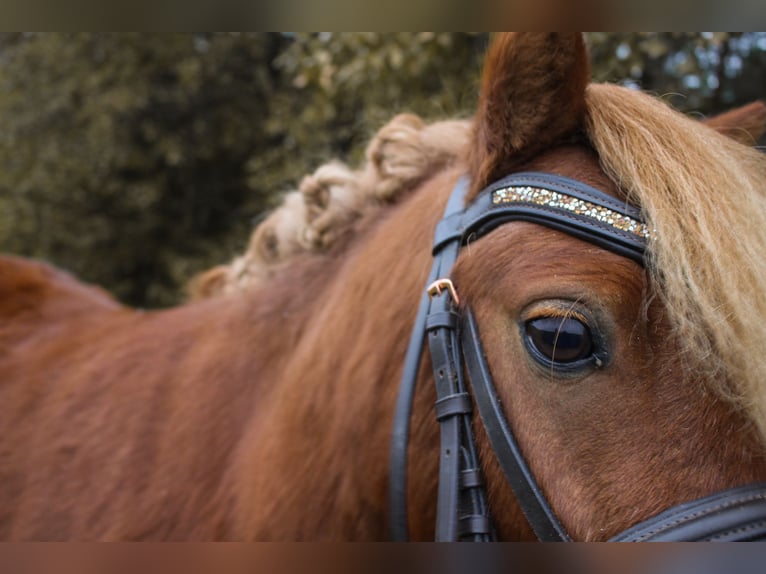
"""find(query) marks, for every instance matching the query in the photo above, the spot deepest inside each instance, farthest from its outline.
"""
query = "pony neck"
(324, 432)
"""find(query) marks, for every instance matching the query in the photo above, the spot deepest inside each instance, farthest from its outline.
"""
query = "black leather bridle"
(462, 507)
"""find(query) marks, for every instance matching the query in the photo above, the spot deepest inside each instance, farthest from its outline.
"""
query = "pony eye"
(559, 340)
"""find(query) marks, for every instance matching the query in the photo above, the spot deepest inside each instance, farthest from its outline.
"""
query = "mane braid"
(330, 202)
(704, 199)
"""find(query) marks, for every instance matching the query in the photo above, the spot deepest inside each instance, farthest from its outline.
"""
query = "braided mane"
(327, 204)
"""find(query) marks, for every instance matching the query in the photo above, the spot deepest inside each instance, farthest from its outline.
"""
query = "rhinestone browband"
(554, 199)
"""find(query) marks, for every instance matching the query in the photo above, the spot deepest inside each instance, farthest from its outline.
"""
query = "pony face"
(613, 404)
(615, 424)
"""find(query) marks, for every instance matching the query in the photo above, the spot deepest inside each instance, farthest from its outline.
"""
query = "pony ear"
(532, 95)
(745, 125)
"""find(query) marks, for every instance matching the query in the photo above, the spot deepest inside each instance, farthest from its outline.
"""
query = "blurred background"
(137, 160)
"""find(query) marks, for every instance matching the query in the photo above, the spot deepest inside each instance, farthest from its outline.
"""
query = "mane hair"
(704, 198)
(329, 202)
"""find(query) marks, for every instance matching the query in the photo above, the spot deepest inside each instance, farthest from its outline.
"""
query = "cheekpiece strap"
(433, 316)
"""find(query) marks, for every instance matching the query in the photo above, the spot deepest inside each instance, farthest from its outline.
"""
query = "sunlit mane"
(313, 218)
(704, 195)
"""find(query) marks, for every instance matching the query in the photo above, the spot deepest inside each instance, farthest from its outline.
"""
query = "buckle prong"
(439, 286)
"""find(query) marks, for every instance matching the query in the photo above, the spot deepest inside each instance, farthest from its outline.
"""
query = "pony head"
(674, 406)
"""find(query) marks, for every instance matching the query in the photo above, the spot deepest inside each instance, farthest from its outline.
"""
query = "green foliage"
(125, 157)
(704, 73)
(135, 160)
(339, 88)
(359, 80)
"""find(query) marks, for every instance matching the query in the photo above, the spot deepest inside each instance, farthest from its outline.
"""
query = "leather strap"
(482, 216)
(738, 514)
(403, 410)
(533, 502)
(462, 510)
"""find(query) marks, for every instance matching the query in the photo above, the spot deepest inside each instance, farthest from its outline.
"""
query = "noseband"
(463, 511)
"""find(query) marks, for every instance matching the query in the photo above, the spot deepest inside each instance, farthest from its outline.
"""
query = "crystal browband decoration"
(546, 197)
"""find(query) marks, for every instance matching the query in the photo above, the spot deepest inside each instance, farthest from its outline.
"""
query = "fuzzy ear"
(532, 95)
(746, 124)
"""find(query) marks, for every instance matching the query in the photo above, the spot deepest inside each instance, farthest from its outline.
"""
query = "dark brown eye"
(559, 339)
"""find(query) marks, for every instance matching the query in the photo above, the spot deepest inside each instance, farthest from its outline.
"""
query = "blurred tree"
(340, 88)
(125, 157)
(355, 81)
(706, 72)
(135, 160)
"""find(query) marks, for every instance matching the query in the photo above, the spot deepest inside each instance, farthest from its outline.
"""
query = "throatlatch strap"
(401, 428)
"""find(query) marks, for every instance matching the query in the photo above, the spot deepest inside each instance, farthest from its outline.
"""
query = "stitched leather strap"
(738, 514)
(403, 409)
(533, 502)
(462, 510)
(482, 216)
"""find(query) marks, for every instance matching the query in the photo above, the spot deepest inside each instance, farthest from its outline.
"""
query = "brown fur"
(266, 414)
(34, 295)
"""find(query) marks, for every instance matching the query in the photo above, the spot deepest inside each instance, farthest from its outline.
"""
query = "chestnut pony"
(267, 413)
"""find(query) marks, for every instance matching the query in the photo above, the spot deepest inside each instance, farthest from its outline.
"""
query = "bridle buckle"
(439, 286)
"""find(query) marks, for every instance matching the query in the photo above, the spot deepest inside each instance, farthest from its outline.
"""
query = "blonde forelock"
(704, 198)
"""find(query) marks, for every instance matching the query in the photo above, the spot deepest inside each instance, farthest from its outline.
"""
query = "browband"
(555, 202)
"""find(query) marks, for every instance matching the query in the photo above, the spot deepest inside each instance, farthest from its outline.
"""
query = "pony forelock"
(704, 198)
